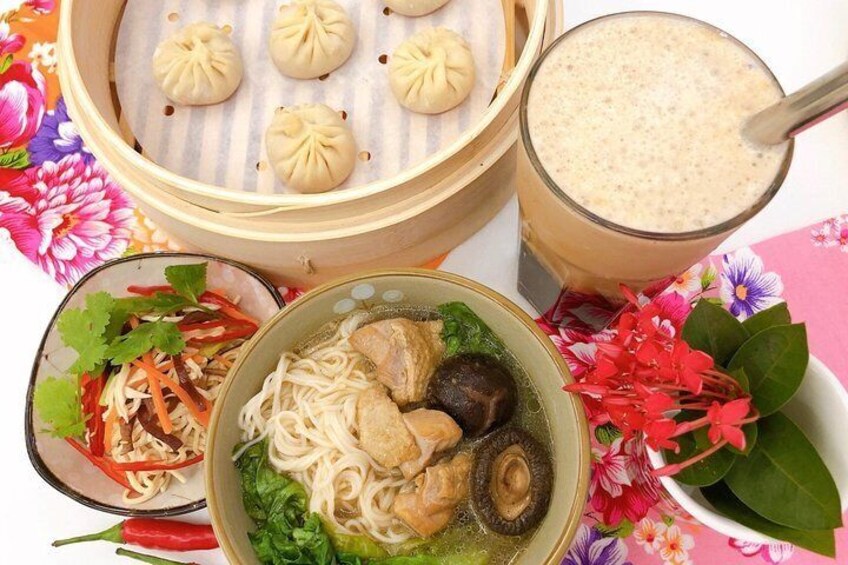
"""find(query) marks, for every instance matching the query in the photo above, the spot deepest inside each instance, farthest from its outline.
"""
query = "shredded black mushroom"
(199, 317)
(147, 418)
(126, 442)
(185, 380)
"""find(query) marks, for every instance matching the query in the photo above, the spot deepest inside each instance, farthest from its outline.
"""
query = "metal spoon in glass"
(819, 100)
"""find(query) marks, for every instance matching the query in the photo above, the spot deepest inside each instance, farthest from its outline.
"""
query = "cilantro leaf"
(188, 281)
(168, 337)
(58, 404)
(82, 330)
(135, 343)
(159, 303)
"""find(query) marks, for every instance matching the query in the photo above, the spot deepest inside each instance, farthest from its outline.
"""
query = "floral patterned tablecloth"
(61, 210)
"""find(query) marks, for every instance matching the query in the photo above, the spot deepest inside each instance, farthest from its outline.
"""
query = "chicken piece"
(434, 431)
(405, 353)
(382, 432)
(429, 508)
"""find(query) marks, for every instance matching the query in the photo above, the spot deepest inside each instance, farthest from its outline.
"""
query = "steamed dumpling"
(310, 147)
(432, 71)
(415, 7)
(311, 38)
(198, 65)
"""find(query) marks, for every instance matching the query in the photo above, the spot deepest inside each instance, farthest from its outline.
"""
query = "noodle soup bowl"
(55, 460)
(409, 288)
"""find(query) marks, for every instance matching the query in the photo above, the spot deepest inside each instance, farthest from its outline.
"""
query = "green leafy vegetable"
(189, 281)
(58, 405)
(714, 330)
(359, 546)
(707, 471)
(775, 361)
(777, 315)
(784, 480)
(465, 332)
(285, 532)
(722, 498)
(135, 343)
(83, 330)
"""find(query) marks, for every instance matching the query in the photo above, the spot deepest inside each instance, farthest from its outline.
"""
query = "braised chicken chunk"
(405, 354)
(382, 431)
(437, 492)
(434, 432)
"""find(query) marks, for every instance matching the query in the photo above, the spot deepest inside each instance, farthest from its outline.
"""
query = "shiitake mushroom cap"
(476, 390)
(540, 467)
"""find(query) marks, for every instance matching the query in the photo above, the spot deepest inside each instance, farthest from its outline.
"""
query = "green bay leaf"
(774, 361)
(723, 499)
(777, 315)
(714, 330)
(784, 480)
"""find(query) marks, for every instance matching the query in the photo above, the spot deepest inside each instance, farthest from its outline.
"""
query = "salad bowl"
(54, 459)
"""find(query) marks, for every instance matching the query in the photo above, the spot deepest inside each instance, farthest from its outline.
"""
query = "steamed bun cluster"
(310, 147)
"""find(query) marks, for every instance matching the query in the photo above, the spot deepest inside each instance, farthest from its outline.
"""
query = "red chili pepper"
(169, 535)
(138, 466)
(101, 463)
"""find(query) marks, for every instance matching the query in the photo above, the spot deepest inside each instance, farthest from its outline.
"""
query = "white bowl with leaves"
(792, 483)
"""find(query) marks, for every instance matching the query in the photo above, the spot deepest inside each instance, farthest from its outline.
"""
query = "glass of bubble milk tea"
(633, 165)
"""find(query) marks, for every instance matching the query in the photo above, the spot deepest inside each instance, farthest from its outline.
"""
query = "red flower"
(726, 421)
(658, 434)
(685, 365)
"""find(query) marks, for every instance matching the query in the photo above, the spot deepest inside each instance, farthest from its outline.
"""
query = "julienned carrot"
(101, 463)
(185, 398)
(226, 307)
(109, 426)
(222, 360)
(158, 397)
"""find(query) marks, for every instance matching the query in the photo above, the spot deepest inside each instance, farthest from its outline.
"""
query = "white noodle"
(307, 410)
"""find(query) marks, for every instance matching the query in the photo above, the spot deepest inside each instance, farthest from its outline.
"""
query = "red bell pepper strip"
(210, 325)
(140, 466)
(169, 535)
(234, 331)
(227, 307)
(92, 389)
(150, 559)
(150, 290)
(101, 463)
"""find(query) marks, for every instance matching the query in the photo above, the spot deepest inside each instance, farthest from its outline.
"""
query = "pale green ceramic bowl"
(533, 349)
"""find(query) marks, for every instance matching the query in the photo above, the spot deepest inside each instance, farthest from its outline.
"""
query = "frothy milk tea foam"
(639, 120)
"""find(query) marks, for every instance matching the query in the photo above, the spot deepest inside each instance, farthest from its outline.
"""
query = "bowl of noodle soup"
(292, 409)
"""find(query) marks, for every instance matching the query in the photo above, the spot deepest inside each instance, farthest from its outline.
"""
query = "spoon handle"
(814, 103)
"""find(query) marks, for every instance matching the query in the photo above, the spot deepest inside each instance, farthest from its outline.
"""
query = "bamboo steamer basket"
(88, 32)
(307, 239)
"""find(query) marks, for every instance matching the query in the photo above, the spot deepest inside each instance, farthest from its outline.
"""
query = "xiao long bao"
(432, 71)
(198, 65)
(415, 7)
(310, 147)
(311, 38)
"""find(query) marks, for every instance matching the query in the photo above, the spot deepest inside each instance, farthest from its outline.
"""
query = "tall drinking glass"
(633, 166)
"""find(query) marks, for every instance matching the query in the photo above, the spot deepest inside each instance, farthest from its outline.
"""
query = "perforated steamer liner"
(87, 33)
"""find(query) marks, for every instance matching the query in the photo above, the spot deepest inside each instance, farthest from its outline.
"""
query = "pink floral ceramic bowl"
(54, 459)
